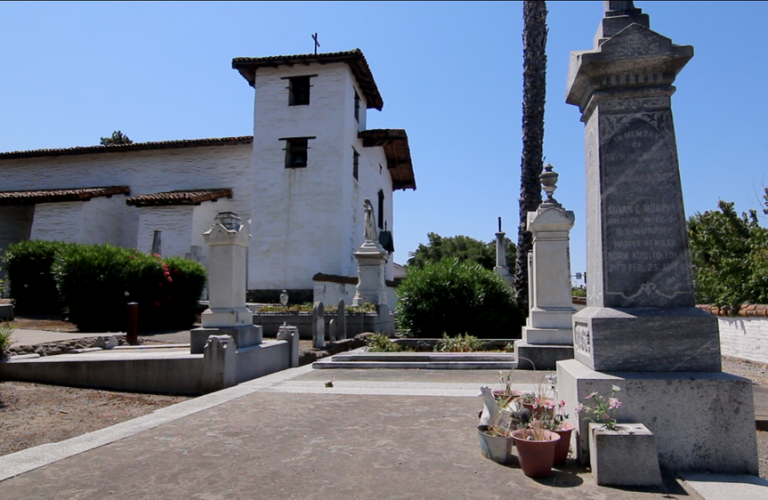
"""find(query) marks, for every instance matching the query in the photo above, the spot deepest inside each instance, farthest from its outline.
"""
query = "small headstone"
(332, 331)
(318, 325)
(156, 242)
(341, 320)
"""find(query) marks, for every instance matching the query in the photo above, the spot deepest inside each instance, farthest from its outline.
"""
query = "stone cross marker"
(341, 320)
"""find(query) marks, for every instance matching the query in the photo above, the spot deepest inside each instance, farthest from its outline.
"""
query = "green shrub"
(456, 298)
(6, 330)
(459, 343)
(379, 342)
(96, 282)
(28, 265)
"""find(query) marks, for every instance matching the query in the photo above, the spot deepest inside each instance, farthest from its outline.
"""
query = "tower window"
(298, 90)
(357, 106)
(296, 151)
(355, 163)
(381, 209)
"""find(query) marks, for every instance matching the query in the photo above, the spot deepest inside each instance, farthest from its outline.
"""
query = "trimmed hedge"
(96, 282)
(28, 264)
(457, 298)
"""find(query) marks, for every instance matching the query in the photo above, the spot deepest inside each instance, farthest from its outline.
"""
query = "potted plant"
(601, 410)
(506, 395)
(497, 424)
(536, 450)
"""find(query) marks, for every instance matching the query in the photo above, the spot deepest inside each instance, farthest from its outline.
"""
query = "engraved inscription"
(645, 246)
(582, 339)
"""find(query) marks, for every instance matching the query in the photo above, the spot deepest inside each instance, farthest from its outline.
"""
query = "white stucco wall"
(102, 220)
(745, 338)
(149, 171)
(58, 221)
(15, 225)
(175, 222)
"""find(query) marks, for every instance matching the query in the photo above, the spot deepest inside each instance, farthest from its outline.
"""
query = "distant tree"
(729, 254)
(116, 139)
(462, 248)
(534, 97)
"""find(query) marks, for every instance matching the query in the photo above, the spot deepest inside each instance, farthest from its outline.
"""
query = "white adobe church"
(301, 180)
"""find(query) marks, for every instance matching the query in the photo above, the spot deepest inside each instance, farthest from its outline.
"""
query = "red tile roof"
(59, 195)
(186, 197)
(122, 148)
(247, 67)
(398, 153)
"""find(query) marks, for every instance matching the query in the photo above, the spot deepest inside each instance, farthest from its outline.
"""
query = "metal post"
(132, 333)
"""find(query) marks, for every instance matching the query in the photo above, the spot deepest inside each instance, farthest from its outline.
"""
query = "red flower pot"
(536, 457)
(561, 450)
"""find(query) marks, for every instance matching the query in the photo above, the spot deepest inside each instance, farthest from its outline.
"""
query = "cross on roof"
(317, 44)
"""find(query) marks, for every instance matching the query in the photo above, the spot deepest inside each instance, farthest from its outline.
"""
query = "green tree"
(117, 138)
(462, 248)
(729, 254)
(534, 97)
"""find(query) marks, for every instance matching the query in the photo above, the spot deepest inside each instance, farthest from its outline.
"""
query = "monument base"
(703, 422)
(244, 336)
(540, 357)
(647, 339)
(548, 336)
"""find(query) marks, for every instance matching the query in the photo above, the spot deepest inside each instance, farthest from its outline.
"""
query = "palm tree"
(534, 96)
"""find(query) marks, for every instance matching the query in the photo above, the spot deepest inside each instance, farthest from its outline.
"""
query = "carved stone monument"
(640, 329)
(318, 325)
(501, 268)
(547, 335)
(227, 313)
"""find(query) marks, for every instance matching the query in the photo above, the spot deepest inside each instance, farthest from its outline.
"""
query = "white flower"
(615, 388)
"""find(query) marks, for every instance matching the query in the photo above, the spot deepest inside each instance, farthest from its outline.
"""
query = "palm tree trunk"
(534, 96)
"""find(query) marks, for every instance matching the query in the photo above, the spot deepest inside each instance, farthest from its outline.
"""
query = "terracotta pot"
(508, 396)
(496, 448)
(536, 457)
(561, 450)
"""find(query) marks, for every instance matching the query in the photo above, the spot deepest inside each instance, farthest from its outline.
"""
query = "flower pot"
(561, 450)
(496, 448)
(536, 457)
(537, 411)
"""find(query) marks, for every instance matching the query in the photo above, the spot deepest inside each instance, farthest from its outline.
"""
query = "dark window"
(355, 163)
(357, 106)
(379, 168)
(298, 91)
(381, 209)
(296, 152)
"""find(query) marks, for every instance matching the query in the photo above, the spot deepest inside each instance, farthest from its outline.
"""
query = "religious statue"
(370, 222)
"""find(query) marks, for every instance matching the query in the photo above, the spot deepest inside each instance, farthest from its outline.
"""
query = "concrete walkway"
(375, 434)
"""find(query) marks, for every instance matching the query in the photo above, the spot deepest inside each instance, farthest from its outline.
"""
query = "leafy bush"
(729, 254)
(96, 282)
(378, 342)
(456, 298)
(28, 264)
(5, 338)
(460, 343)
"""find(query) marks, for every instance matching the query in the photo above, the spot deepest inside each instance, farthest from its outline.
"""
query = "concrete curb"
(725, 487)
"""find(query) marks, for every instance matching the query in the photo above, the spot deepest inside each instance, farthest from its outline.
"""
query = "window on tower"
(298, 90)
(296, 151)
(357, 106)
(381, 209)
(355, 163)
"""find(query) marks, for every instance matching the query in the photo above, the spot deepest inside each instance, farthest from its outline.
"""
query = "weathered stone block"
(625, 457)
(243, 336)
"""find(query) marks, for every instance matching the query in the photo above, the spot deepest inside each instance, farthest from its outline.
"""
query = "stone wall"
(745, 335)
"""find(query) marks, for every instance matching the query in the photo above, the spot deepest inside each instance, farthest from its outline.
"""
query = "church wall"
(102, 220)
(297, 212)
(15, 224)
(58, 221)
(145, 172)
(175, 222)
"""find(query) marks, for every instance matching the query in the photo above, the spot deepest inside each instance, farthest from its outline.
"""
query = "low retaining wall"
(356, 323)
(745, 335)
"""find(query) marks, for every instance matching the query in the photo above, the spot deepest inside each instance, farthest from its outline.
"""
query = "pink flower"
(606, 417)
(591, 395)
(614, 404)
(561, 403)
(579, 408)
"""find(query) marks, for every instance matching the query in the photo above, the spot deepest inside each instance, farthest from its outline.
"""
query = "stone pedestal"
(624, 457)
(547, 335)
(371, 272)
(501, 267)
(227, 313)
(640, 329)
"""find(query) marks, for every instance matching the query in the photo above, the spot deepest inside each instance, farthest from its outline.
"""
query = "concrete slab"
(254, 441)
(722, 487)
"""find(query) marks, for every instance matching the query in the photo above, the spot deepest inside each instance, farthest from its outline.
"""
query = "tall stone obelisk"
(640, 329)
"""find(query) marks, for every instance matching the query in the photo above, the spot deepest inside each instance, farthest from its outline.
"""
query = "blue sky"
(450, 75)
